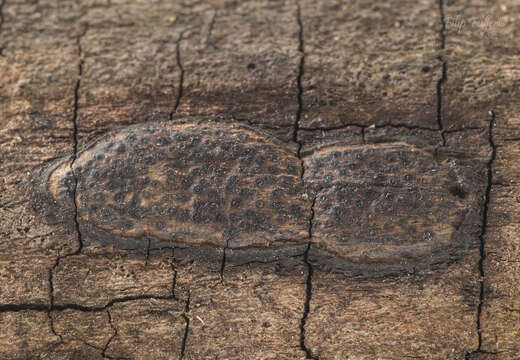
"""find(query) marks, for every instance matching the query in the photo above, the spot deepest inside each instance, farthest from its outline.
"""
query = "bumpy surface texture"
(426, 74)
(390, 204)
(197, 183)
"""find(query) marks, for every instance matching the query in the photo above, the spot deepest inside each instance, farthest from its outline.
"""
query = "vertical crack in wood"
(74, 189)
(174, 276)
(114, 334)
(75, 137)
(308, 291)
(181, 76)
(172, 266)
(299, 84)
(51, 297)
(443, 77)
(482, 235)
(223, 262)
(187, 328)
(147, 254)
(483, 231)
(75, 181)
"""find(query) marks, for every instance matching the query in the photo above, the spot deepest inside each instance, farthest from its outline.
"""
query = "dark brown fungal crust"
(385, 208)
(198, 183)
(377, 209)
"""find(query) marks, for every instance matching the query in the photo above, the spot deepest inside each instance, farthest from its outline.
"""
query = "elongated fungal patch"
(389, 206)
(195, 183)
(372, 210)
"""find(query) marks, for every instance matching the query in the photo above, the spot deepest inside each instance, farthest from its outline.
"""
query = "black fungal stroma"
(226, 185)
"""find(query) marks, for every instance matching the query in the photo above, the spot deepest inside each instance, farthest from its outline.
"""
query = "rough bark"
(434, 75)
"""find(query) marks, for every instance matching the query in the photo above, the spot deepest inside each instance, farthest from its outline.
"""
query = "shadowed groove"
(308, 282)
(483, 232)
(181, 76)
(443, 77)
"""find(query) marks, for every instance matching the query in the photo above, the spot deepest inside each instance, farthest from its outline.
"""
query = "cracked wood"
(356, 74)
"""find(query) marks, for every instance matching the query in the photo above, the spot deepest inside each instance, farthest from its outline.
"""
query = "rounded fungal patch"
(197, 183)
(387, 204)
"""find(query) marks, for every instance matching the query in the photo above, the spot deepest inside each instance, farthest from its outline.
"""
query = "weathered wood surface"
(437, 76)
